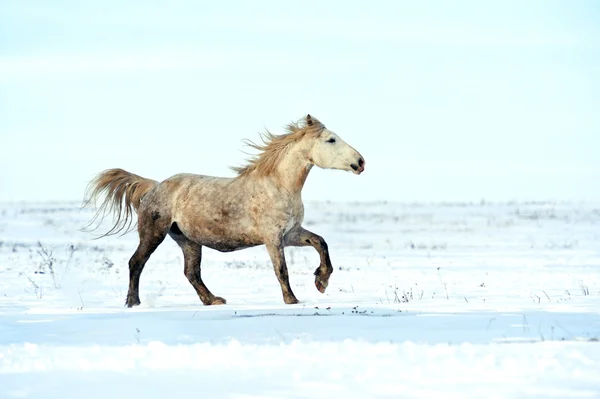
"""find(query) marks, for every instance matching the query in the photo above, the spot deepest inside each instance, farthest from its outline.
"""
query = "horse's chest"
(294, 217)
(291, 223)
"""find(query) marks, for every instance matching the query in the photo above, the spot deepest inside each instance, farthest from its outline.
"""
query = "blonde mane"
(275, 146)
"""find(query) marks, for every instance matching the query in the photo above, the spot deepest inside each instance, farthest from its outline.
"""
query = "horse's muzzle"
(358, 167)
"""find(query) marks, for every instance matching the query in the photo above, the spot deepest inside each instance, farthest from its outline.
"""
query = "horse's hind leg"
(192, 257)
(152, 233)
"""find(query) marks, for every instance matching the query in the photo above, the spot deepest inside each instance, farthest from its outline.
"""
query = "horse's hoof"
(291, 300)
(218, 301)
(320, 287)
(131, 302)
(321, 284)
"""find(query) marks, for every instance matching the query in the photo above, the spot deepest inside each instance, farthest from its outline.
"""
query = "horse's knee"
(323, 244)
(282, 271)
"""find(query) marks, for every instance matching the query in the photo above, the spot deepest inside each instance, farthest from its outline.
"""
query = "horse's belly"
(228, 246)
(222, 237)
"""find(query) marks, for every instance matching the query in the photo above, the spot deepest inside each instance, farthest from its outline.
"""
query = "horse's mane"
(274, 146)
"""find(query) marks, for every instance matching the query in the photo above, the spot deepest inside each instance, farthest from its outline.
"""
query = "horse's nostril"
(361, 162)
(354, 167)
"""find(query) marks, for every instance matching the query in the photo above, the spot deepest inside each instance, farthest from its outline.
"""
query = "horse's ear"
(309, 120)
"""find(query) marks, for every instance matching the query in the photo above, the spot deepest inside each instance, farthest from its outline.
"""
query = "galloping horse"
(261, 205)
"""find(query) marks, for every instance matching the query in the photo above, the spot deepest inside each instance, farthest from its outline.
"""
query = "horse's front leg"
(278, 258)
(301, 237)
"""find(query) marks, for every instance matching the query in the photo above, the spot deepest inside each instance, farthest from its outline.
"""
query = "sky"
(446, 101)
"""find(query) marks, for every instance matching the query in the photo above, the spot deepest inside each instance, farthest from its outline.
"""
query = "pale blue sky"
(446, 100)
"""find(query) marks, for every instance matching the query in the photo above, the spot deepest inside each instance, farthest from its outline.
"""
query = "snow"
(453, 300)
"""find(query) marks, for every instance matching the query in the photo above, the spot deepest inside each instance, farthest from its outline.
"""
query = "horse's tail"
(123, 193)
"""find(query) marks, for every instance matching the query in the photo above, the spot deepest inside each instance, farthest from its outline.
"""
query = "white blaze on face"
(331, 152)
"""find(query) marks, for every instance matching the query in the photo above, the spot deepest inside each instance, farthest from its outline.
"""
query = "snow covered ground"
(427, 300)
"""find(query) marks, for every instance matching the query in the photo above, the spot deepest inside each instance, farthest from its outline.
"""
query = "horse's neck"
(292, 171)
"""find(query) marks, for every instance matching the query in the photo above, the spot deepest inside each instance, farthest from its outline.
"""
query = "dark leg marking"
(278, 258)
(303, 237)
(152, 233)
(137, 262)
(192, 258)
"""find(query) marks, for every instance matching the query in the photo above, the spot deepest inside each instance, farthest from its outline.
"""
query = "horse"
(262, 205)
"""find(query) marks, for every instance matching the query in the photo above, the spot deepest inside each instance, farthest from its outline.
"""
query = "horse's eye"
(331, 140)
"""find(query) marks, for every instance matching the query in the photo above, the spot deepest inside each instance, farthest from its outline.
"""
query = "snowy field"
(427, 300)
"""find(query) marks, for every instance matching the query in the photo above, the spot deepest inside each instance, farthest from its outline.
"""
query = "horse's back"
(195, 179)
(181, 189)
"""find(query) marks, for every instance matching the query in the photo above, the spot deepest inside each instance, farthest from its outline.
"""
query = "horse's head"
(329, 151)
